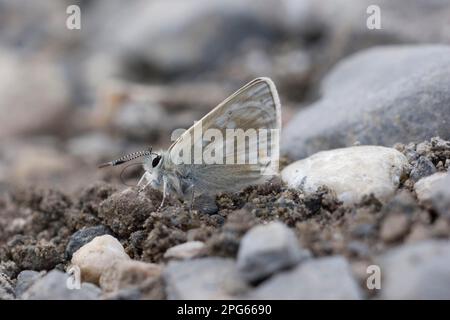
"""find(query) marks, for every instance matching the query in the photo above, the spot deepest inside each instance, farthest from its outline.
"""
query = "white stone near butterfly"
(97, 256)
(350, 172)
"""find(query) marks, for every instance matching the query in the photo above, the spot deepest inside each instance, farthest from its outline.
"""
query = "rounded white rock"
(350, 172)
(97, 256)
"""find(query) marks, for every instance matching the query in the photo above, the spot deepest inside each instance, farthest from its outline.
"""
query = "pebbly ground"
(41, 224)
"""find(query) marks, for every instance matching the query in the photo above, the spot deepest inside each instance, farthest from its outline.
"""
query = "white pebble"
(97, 256)
(350, 172)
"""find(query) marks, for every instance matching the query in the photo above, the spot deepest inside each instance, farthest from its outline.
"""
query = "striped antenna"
(127, 158)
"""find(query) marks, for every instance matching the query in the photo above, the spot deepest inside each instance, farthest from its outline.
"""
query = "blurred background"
(137, 70)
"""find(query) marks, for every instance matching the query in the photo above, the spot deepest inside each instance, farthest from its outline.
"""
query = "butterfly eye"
(156, 161)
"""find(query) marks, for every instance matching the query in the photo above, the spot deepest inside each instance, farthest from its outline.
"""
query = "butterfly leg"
(164, 192)
(144, 179)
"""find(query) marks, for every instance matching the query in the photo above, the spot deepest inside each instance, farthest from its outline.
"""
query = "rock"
(206, 278)
(434, 191)
(33, 93)
(323, 278)
(266, 249)
(128, 273)
(404, 82)
(423, 167)
(84, 236)
(25, 280)
(425, 186)
(6, 288)
(97, 256)
(187, 250)
(350, 172)
(416, 271)
(394, 227)
(53, 286)
(205, 204)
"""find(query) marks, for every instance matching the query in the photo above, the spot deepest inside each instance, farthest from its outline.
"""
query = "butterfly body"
(233, 146)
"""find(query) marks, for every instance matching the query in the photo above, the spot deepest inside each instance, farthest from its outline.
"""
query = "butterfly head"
(153, 161)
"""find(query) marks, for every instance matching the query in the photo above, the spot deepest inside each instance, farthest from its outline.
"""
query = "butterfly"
(233, 146)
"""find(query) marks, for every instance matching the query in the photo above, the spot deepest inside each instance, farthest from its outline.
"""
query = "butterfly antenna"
(127, 158)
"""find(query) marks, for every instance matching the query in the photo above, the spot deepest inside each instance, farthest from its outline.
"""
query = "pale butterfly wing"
(255, 109)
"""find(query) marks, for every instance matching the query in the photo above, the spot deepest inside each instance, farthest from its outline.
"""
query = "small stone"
(206, 278)
(187, 250)
(265, 249)
(350, 172)
(83, 236)
(205, 204)
(25, 279)
(416, 271)
(53, 286)
(422, 168)
(97, 256)
(394, 227)
(125, 274)
(435, 192)
(323, 278)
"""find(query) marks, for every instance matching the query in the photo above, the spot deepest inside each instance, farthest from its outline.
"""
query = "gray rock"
(379, 96)
(323, 278)
(416, 271)
(205, 204)
(25, 279)
(206, 278)
(53, 286)
(423, 167)
(435, 191)
(350, 172)
(83, 236)
(265, 249)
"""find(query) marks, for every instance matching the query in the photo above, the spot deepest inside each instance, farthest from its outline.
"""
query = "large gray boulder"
(380, 96)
